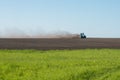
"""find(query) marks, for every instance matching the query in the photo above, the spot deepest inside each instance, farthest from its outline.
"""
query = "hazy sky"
(96, 18)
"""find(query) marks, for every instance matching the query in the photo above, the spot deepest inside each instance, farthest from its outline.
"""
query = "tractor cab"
(82, 35)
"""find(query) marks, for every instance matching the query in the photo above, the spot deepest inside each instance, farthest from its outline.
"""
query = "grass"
(89, 64)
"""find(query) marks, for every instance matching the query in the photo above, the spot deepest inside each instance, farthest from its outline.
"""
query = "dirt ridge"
(59, 43)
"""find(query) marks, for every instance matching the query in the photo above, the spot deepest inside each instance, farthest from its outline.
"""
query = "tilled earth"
(59, 43)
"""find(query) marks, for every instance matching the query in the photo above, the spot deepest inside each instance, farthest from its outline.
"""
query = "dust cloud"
(19, 33)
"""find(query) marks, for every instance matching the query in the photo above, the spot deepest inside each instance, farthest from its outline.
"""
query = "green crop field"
(89, 64)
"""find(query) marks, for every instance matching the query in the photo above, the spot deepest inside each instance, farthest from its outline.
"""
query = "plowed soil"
(59, 43)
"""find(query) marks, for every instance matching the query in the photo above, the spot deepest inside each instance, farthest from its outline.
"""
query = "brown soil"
(59, 43)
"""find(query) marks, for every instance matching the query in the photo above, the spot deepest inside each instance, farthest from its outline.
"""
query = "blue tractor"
(82, 35)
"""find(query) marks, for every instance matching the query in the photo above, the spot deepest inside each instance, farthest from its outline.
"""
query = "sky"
(96, 18)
